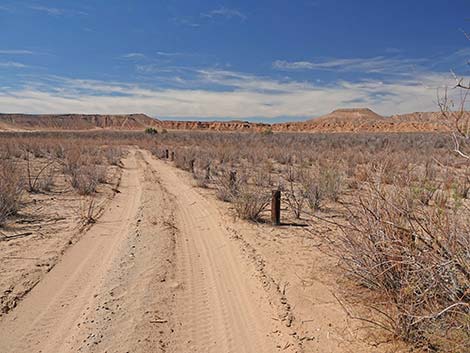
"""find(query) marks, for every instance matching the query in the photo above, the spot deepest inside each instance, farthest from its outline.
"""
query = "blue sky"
(269, 60)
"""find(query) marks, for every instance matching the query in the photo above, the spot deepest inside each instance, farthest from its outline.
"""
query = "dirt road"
(157, 272)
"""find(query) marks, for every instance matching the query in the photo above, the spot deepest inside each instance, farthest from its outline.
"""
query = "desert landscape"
(234, 176)
(124, 233)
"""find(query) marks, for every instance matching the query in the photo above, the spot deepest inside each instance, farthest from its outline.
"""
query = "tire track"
(221, 305)
(46, 321)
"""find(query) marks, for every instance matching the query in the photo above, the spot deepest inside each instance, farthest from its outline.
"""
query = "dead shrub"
(101, 174)
(330, 182)
(11, 189)
(424, 191)
(228, 183)
(250, 203)
(416, 258)
(441, 198)
(85, 179)
(113, 155)
(313, 192)
(185, 159)
(296, 193)
(462, 189)
(47, 181)
(89, 210)
(36, 180)
(72, 161)
(202, 173)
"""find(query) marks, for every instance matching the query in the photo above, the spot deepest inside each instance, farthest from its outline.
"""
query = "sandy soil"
(47, 224)
(168, 269)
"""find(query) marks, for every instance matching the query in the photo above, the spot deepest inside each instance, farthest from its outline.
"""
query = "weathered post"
(191, 165)
(172, 155)
(232, 180)
(166, 153)
(276, 208)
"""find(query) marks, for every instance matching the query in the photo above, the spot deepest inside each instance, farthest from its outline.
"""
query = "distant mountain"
(76, 122)
(340, 120)
(234, 125)
(366, 120)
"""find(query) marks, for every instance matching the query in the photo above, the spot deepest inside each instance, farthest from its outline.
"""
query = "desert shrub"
(312, 191)
(330, 182)
(100, 172)
(89, 210)
(46, 182)
(296, 192)
(250, 203)
(262, 176)
(267, 132)
(462, 188)
(441, 198)
(72, 161)
(113, 155)
(151, 131)
(202, 175)
(228, 183)
(417, 260)
(424, 191)
(41, 178)
(85, 179)
(185, 159)
(11, 189)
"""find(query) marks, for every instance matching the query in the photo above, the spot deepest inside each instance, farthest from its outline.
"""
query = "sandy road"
(222, 307)
(47, 318)
(157, 273)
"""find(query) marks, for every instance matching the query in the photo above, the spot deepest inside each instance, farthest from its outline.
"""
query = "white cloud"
(54, 11)
(185, 21)
(163, 53)
(12, 64)
(377, 64)
(15, 52)
(234, 95)
(133, 56)
(225, 12)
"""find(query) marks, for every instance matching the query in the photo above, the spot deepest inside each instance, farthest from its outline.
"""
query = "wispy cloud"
(378, 64)
(226, 13)
(163, 53)
(185, 21)
(15, 52)
(133, 56)
(54, 11)
(230, 94)
(12, 64)
(221, 12)
(392, 50)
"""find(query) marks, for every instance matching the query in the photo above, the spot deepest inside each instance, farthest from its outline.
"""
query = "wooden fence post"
(166, 154)
(276, 208)
(191, 165)
(208, 172)
(172, 155)
(232, 180)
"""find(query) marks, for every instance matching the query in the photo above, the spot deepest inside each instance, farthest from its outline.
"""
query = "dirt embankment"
(76, 122)
(242, 126)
